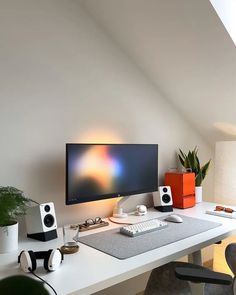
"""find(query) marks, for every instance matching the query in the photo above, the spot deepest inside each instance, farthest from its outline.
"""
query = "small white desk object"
(222, 214)
(90, 270)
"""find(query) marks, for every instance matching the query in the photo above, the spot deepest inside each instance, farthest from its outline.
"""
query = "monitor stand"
(118, 210)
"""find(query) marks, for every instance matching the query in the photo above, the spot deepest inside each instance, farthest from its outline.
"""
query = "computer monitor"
(102, 171)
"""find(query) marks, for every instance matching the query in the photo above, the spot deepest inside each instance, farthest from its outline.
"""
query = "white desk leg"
(195, 258)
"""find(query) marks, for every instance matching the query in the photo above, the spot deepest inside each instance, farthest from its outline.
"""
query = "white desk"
(89, 270)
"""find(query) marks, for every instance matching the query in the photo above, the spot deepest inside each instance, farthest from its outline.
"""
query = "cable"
(42, 280)
(33, 201)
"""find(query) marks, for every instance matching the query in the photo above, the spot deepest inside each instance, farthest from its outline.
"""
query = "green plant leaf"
(197, 163)
(13, 203)
(195, 150)
(198, 179)
(187, 163)
(205, 168)
(191, 161)
(181, 160)
(182, 153)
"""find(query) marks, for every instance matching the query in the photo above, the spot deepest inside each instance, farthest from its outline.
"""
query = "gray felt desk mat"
(114, 243)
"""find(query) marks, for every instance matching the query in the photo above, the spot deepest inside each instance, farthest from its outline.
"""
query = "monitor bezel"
(112, 195)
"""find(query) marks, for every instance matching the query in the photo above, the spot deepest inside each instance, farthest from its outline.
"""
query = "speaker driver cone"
(166, 198)
(48, 220)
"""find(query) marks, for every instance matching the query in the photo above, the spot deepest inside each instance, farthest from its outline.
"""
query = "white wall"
(62, 80)
(184, 48)
(225, 172)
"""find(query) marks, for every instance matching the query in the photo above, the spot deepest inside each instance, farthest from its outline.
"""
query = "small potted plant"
(13, 203)
(191, 163)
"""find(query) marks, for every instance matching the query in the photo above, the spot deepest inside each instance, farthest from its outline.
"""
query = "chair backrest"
(230, 256)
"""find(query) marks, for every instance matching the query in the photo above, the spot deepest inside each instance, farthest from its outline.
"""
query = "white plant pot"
(8, 238)
(198, 194)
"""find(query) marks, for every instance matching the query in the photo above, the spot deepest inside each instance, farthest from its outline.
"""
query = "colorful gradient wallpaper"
(104, 171)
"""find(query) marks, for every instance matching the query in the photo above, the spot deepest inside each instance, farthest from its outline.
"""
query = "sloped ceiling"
(184, 49)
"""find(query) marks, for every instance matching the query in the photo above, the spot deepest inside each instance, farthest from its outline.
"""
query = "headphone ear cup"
(33, 260)
(46, 260)
(20, 256)
(27, 260)
(62, 255)
(53, 259)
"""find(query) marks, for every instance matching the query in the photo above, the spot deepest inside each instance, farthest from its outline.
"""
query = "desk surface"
(89, 270)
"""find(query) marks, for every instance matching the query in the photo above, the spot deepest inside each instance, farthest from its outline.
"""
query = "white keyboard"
(141, 228)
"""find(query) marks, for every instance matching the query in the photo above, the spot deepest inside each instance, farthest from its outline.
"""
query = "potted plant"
(13, 203)
(191, 163)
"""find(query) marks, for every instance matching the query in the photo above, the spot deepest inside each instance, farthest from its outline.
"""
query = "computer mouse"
(174, 218)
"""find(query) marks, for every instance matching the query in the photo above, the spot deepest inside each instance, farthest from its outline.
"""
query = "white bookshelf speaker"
(162, 199)
(41, 223)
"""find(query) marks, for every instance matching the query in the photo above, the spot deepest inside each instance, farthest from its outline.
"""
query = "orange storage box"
(182, 189)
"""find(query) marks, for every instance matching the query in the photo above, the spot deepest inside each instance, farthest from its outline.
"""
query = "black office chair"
(179, 278)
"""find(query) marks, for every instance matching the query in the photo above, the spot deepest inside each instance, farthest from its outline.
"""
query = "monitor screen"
(101, 171)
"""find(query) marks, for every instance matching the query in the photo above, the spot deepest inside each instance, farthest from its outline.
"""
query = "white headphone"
(52, 259)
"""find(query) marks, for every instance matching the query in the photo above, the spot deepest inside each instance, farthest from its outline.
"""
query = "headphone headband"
(40, 254)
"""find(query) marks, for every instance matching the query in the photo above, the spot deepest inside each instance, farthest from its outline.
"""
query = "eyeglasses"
(221, 208)
(90, 221)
